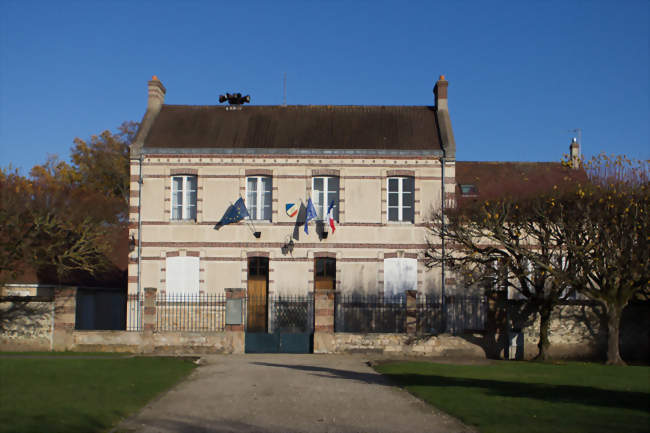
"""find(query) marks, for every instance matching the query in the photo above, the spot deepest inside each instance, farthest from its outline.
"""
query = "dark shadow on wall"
(20, 314)
(635, 332)
(584, 316)
(494, 338)
(300, 221)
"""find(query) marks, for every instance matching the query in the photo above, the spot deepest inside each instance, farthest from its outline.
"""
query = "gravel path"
(288, 393)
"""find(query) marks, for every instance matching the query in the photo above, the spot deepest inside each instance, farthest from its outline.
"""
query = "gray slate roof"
(305, 127)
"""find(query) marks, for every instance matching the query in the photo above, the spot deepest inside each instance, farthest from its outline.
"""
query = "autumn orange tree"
(607, 232)
(102, 162)
(16, 224)
(61, 218)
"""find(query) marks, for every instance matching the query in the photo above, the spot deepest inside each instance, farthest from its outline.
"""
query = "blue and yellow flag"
(235, 213)
(311, 213)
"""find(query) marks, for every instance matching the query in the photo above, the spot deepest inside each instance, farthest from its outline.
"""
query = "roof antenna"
(284, 91)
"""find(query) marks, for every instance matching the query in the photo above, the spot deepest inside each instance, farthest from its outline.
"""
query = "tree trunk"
(613, 328)
(544, 325)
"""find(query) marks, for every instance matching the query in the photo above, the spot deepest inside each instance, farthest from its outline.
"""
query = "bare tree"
(606, 228)
(507, 243)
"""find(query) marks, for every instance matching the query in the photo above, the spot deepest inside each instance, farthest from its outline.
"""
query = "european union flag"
(235, 212)
(311, 214)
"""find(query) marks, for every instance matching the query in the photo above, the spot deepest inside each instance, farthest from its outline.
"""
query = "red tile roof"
(497, 179)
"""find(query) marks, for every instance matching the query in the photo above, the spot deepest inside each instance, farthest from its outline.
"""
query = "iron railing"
(295, 313)
(369, 313)
(292, 313)
(282, 313)
(134, 307)
(454, 314)
(190, 312)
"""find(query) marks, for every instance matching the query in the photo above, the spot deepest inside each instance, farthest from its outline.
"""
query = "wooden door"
(324, 273)
(258, 279)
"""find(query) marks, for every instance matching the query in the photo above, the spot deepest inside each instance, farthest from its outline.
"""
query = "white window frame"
(400, 199)
(186, 198)
(259, 196)
(321, 208)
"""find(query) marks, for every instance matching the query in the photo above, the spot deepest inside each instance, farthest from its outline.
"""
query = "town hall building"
(379, 172)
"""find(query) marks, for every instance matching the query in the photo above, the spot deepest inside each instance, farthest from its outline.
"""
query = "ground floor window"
(182, 275)
(400, 274)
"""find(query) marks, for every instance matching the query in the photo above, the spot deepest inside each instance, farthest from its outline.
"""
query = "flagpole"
(252, 223)
(254, 229)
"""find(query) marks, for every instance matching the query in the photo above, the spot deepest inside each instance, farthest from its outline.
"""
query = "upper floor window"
(258, 197)
(325, 190)
(400, 199)
(184, 197)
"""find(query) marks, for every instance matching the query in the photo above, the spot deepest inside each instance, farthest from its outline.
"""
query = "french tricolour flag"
(330, 215)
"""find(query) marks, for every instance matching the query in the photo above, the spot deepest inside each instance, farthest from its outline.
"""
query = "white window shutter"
(400, 275)
(182, 275)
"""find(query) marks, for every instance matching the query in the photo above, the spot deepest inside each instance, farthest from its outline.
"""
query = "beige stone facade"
(364, 237)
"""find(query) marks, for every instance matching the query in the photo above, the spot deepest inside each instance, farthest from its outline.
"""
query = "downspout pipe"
(443, 162)
(139, 223)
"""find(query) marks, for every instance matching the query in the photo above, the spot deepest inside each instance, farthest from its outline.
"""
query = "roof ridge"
(302, 106)
(509, 162)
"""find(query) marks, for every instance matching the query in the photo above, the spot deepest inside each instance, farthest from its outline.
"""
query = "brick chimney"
(444, 121)
(156, 95)
(574, 152)
(154, 104)
(440, 90)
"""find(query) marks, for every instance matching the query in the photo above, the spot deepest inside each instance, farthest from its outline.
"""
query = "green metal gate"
(289, 327)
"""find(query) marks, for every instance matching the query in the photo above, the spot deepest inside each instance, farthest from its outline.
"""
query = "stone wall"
(26, 324)
(406, 345)
(578, 330)
(173, 343)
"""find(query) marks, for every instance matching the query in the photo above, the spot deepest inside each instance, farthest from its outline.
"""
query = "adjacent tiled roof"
(296, 127)
(497, 179)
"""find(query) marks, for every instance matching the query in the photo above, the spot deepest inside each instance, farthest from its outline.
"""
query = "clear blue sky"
(521, 74)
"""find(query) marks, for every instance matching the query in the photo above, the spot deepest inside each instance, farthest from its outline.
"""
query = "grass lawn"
(533, 397)
(68, 394)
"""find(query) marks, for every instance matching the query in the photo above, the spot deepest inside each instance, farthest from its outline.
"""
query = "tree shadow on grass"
(585, 395)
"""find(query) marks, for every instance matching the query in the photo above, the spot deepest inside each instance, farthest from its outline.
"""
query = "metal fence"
(429, 316)
(434, 315)
(190, 312)
(283, 313)
(369, 313)
(295, 313)
(100, 308)
(454, 314)
(134, 307)
(292, 313)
